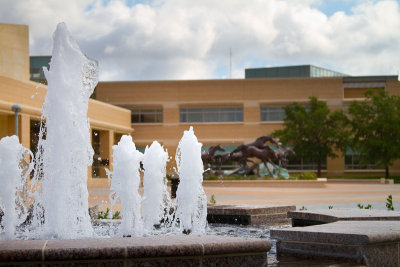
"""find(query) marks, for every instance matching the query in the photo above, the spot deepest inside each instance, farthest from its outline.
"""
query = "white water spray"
(60, 208)
(64, 149)
(14, 170)
(156, 200)
(191, 200)
(125, 185)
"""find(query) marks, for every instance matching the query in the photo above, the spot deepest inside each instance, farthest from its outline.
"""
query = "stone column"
(24, 130)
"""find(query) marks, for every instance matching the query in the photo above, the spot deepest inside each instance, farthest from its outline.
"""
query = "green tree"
(375, 124)
(313, 130)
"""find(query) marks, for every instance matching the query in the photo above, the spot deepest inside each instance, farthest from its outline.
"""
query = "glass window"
(35, 131)
(352, 161)
(304, 163)
(272, 113)
(221, 114)
(96, 155)
(141, 148)
(147, 115)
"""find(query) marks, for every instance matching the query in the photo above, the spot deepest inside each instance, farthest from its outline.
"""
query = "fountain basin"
(249, 214)
(322, 216)
(373, 243)
(178, 250)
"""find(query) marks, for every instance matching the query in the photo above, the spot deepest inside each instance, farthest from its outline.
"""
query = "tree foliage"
(313, 130)
(375, 124)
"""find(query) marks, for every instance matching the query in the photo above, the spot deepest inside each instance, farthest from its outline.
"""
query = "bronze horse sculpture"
(281, 155)
(209, 156)
(235, 157)
(243, 154)
(265, 154)
(260, 141)
(238, 155)
(230, 156)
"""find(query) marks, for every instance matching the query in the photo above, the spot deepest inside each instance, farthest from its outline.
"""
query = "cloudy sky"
(217, 39)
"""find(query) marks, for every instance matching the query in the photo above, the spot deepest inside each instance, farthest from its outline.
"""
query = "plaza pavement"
(335, 194)
(346, 195)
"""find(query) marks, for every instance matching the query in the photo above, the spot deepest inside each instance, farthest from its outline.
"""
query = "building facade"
(108, 123)
(234, 111)
(227, 112)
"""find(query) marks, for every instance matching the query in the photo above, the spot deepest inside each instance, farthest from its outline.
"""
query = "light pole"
(16, 108)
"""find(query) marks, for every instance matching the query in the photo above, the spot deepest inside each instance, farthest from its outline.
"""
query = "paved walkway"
(331, 194)
(337, 195)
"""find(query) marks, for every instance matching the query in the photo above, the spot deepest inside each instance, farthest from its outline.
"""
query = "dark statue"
(244, 155)
(208, 157)
(281, 155)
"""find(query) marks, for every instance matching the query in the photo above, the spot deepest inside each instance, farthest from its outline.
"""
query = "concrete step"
(374, 243)
(249, 214)
(322, 216)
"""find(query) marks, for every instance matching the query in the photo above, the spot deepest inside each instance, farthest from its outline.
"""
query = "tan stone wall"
(218, 91)
(6, 125)
(105, 116)
(393, 87)
(14, 51)
(358, 92)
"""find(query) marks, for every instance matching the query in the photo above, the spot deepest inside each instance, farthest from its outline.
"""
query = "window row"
(209, 114)
(147, 115)
(220, 114)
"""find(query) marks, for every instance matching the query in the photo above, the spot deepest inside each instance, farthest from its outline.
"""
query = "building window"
(147, 115)
(221, 114)
(352, 161)
(141, 149)
(96, 155)
(272, 113)
(304, 163)
(35, 132)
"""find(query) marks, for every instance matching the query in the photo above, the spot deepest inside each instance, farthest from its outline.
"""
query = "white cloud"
(181, 39)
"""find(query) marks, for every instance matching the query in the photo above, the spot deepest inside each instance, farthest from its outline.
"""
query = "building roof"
(292, 72)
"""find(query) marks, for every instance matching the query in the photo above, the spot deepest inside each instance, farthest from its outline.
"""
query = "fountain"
(156, 200)
(125, 185)
(189, 212)
(14, 169)
(191, 200)
(58, 220)
(64, 149)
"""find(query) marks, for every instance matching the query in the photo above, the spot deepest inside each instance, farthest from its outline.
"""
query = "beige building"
(108, 123)
(234, 111)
